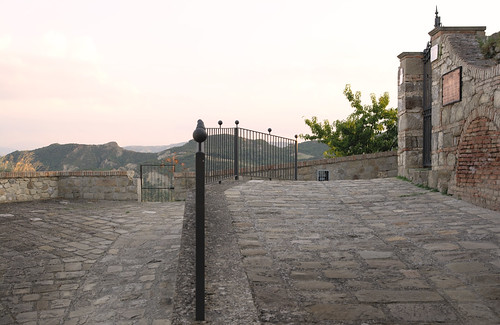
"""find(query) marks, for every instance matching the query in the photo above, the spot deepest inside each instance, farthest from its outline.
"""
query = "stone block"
(413, 87)
(412, 66)
(496, 99)
(384, 296)
(410, 121)
(445, 115)
(432, 179)
(450, 159)
(423, 313)
(413, 102)
(485, 99)
(342, 312)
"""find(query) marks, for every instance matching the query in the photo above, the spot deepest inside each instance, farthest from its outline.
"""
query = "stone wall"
(121, 185)
(368, 166)
(21, 187)
(465, 147)
(410, 110)
(183, 182)
(105, 185)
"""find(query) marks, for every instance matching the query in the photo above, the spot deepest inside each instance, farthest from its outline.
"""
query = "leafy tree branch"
(370, 128)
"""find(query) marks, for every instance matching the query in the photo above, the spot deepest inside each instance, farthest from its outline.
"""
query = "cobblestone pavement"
(81, 262)
(377, 251)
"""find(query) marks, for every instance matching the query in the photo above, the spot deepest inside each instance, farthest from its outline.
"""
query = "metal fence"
(234, 152)
(157, 183)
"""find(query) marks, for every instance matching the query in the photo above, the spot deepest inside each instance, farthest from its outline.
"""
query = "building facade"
(449, 116)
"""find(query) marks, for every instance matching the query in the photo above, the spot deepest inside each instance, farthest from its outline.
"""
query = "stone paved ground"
(345, 252)
(377, 251)
(81, 262)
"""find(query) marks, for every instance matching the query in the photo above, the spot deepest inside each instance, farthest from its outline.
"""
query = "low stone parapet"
(366, 166)
(99, 185)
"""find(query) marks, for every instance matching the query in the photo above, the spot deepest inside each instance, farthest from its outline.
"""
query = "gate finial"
(437, 19)
(200, 134)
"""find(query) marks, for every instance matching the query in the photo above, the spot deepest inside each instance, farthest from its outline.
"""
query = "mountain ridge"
(110, 156)
(153, 149)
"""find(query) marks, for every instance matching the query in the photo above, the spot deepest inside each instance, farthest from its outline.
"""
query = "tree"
(370, 128)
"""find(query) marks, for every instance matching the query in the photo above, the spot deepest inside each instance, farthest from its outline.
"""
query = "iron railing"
(157, 183)
(234, 152)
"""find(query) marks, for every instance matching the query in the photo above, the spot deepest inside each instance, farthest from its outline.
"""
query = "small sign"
(452, 86)
(401, 76)
(434, 52)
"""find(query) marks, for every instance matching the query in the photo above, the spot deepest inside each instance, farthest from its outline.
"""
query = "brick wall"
(478, 164)
(104, 185)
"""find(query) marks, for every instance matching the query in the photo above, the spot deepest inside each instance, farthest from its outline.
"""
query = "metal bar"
(296, 168)
(236, 158)
(200, 236)
(234, 152)
(142, 193)
(200, 135)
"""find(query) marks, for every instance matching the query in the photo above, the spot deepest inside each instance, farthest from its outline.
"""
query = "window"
(323, 175)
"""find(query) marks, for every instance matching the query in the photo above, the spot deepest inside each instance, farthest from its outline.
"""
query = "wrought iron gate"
(427, 108)
(234, 152)
(157, 183)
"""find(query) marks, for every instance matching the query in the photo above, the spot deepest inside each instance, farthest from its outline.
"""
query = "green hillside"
(312, 150)
(71, 157)
(110, 156)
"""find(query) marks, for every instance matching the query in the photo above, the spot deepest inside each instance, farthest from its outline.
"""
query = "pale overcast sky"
(143, 72)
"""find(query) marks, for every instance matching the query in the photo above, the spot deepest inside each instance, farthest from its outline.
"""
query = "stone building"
(449, 116)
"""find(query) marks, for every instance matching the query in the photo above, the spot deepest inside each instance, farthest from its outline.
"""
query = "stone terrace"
(376, 251)
(379, 251)
(88, 262)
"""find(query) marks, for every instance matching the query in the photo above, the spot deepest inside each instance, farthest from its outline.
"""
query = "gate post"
(200, 135)
(236, 163)
(296, 169)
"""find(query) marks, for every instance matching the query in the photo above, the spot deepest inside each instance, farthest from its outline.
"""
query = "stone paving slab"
(379, 251)
(85, 262)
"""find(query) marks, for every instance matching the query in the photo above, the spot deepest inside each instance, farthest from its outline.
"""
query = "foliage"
(490, 47)
(370, 128)
(24, 163)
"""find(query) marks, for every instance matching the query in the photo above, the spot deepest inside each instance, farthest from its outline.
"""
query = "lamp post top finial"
(437, 19)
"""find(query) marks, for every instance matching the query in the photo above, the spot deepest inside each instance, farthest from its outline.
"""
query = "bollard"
(200, 135)
(236, 153)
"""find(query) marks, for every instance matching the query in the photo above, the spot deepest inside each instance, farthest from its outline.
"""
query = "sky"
(143, 72)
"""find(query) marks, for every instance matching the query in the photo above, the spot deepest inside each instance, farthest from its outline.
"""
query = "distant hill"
(110, 156)
(153, 149)
(309, 150)
(71, 157)
(312, 150)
